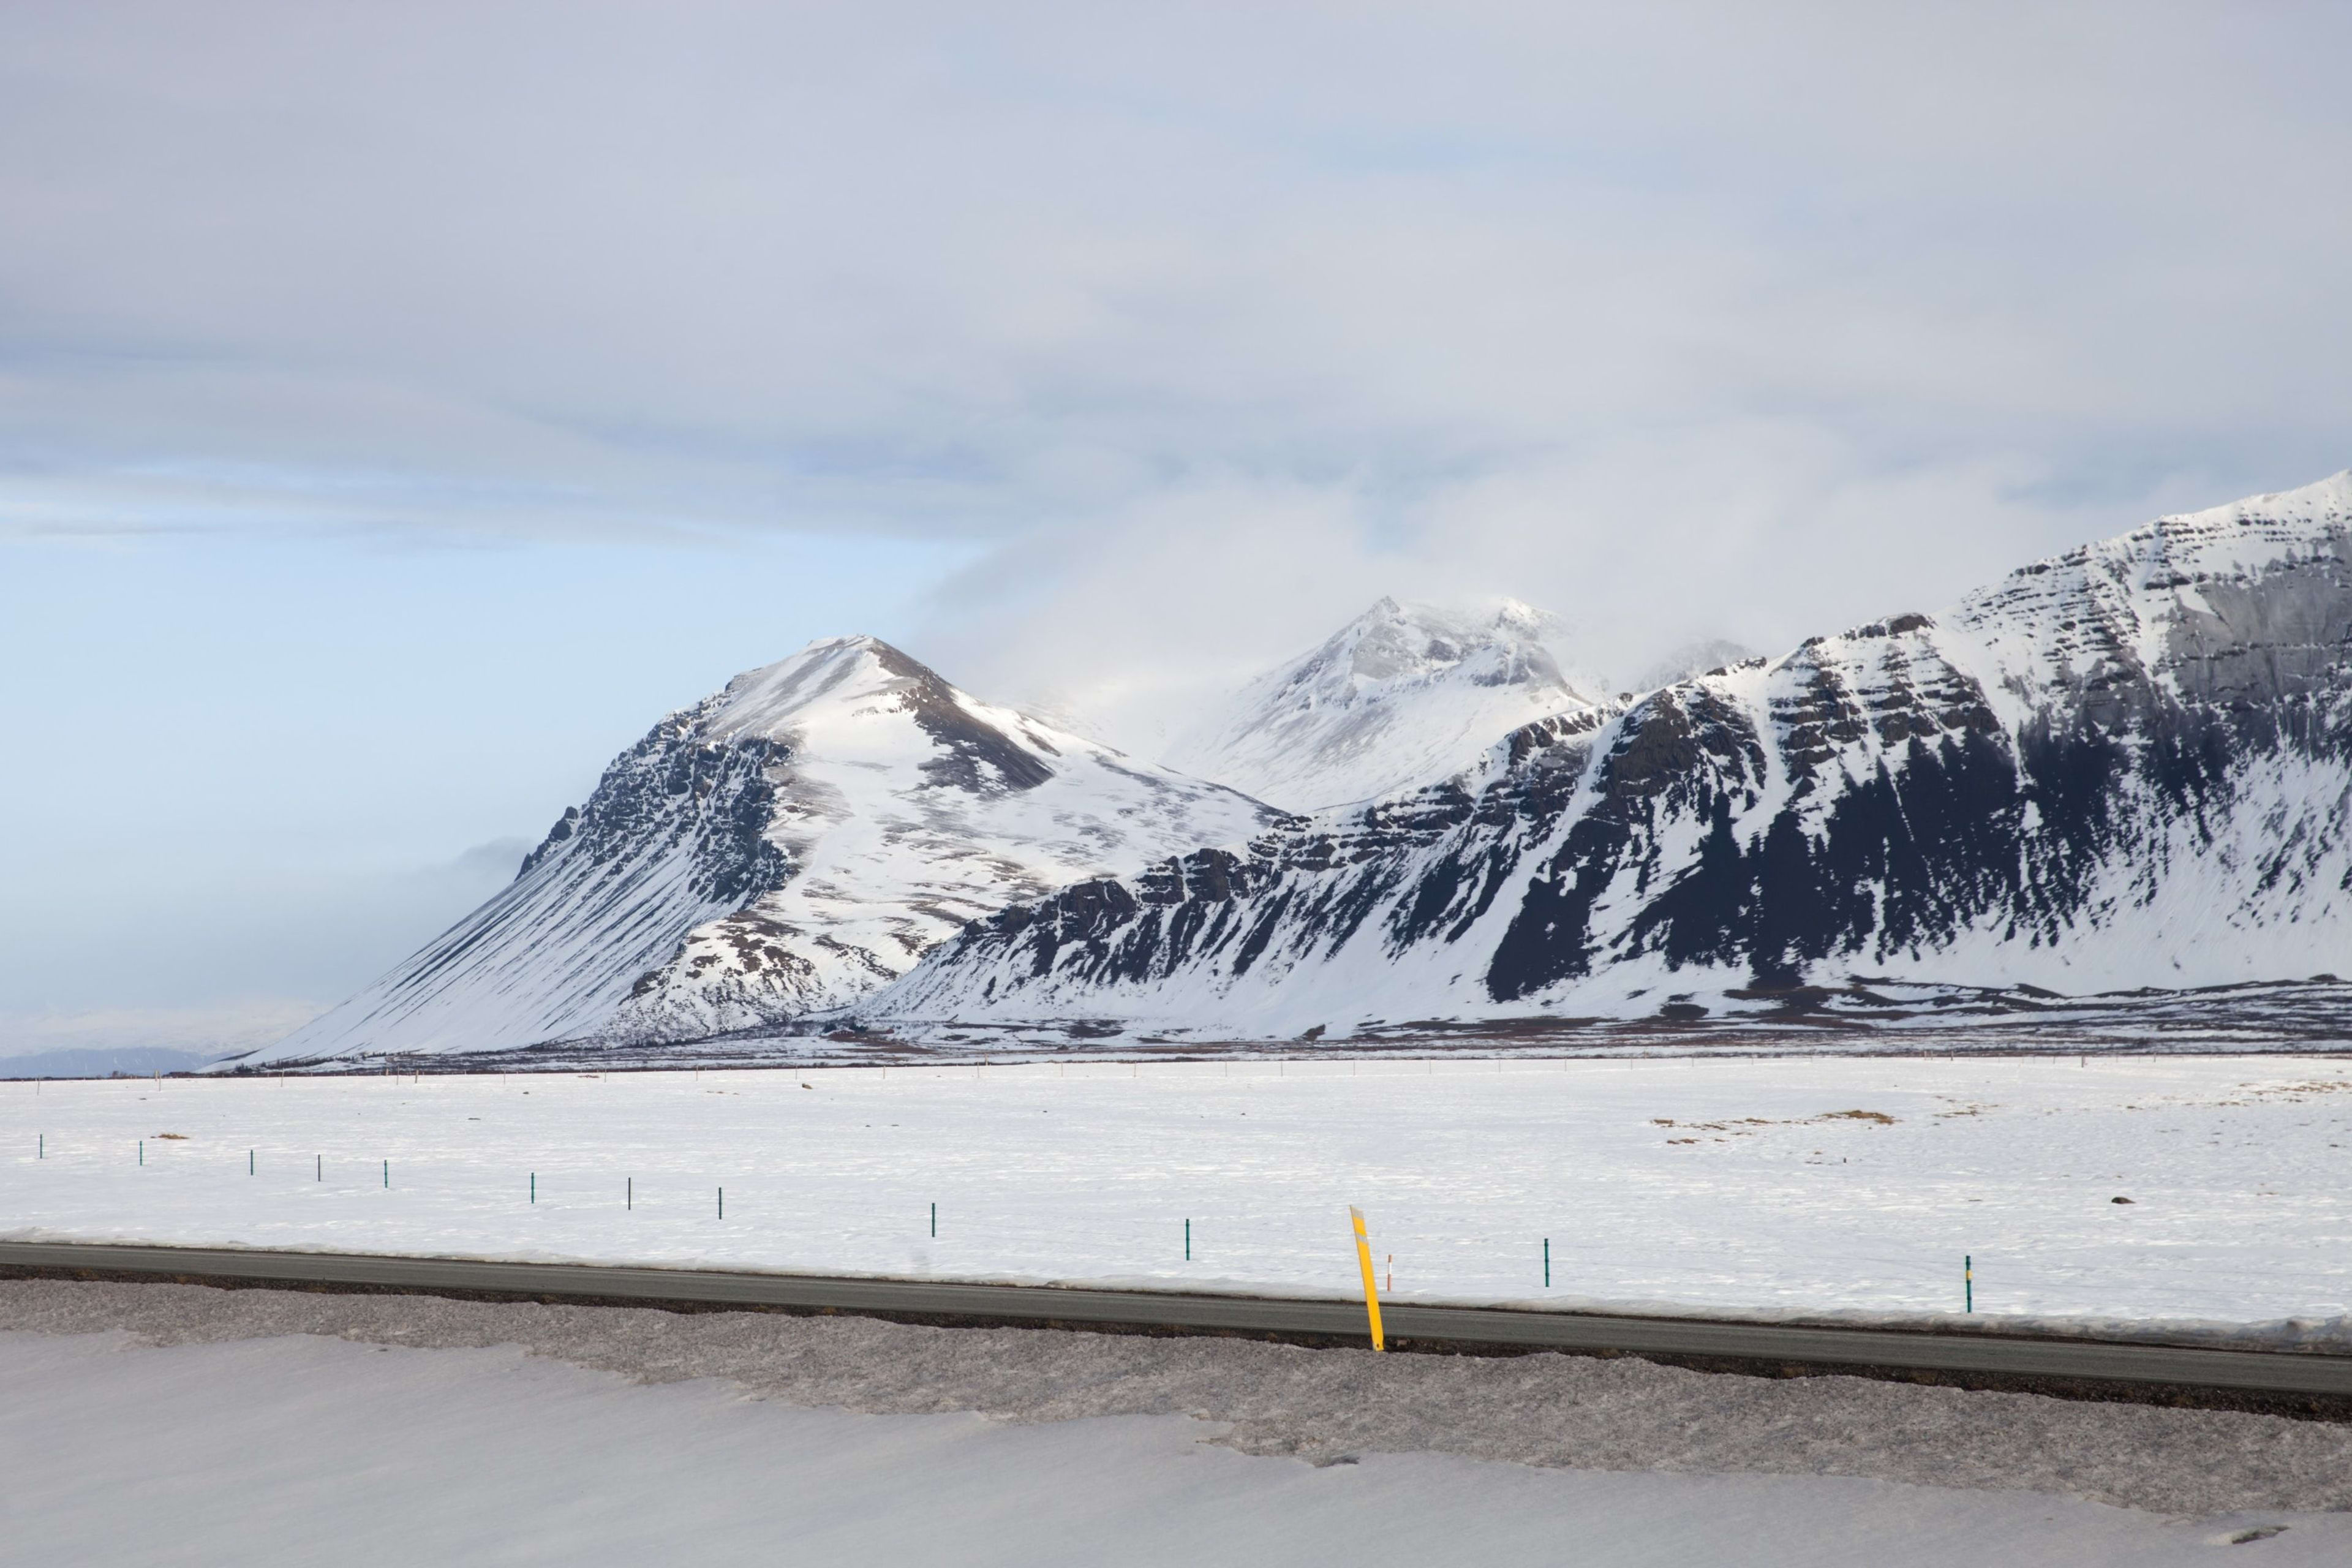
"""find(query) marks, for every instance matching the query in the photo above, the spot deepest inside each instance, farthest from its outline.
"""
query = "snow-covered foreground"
(302, 1451)
(1778, 1185)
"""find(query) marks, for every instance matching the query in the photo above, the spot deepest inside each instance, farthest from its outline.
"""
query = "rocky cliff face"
(2128, 765)
(791, 844)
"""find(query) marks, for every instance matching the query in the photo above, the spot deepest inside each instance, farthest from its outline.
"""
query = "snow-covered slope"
(2128, 765)
(1402, 695)
(790, 844)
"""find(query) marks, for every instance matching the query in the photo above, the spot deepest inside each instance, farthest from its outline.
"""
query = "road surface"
(2322, 1383)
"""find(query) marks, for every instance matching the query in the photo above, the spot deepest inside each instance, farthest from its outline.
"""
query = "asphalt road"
(2012, 1360)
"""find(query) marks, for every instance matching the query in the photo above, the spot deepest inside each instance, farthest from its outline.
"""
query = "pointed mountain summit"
(1401, 696)
(790, 844)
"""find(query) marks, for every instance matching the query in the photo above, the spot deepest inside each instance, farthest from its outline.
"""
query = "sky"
(401, 407)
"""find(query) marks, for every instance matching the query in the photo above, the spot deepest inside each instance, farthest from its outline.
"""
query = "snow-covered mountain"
(790, 844)
(2128, 765)
(1402, 695)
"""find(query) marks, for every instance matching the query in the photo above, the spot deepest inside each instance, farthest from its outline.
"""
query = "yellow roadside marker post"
(1364, 1261)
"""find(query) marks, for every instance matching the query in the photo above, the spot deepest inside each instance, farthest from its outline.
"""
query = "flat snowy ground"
(1789, 1185)
(159, 1423)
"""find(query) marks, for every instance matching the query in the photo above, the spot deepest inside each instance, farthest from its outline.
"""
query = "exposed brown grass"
(1741, 1126)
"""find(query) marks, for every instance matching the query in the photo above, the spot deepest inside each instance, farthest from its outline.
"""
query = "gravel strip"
(1323, 1406)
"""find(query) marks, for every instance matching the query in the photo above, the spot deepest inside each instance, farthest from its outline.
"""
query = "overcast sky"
(401, 406)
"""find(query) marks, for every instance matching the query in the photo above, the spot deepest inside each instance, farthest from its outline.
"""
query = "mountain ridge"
(2123, 765)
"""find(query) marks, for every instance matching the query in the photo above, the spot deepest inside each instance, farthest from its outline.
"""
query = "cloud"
(223, 946)
(495, 861)
(196, 1031)
(1208, 324)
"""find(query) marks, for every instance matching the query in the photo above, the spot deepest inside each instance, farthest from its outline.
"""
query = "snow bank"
(243, 1444)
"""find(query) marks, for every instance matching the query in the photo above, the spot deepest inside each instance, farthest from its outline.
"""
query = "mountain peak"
(769, 700)
(1404, 694)
(793, 842)
(1413, 641)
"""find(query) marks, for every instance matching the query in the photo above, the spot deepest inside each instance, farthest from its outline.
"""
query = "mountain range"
(2129, 765)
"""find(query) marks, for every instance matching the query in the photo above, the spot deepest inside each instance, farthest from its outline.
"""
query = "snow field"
(1690, 1185)
(319, 1450)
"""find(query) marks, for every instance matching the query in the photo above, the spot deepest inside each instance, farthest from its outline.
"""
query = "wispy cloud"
(531, 267)
(210, 1029)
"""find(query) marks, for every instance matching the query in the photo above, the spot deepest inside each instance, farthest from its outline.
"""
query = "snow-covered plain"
(304, 1450)
(1786, 1186)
